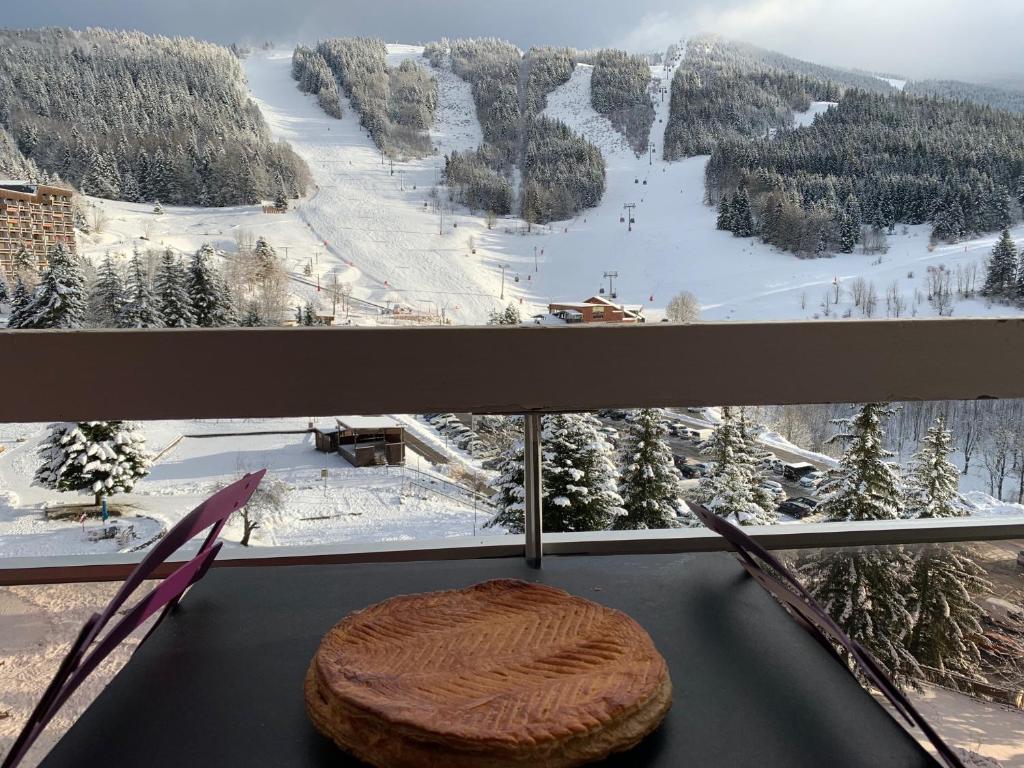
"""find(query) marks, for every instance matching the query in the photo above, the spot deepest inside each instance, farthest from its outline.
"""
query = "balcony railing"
(243, 373)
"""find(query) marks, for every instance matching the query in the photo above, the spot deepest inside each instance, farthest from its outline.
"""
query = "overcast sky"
(965, 38)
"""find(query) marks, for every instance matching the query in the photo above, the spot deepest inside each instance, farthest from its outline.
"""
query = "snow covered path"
(372, 220)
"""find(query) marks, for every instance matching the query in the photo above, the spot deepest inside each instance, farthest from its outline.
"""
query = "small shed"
(366, 441)
(326, 438)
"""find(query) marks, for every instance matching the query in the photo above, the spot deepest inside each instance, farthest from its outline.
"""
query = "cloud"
(916, 37)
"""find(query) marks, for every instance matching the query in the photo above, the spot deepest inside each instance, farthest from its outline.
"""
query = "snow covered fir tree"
(869, 590)
(59, 299)
(1004, 275)
(946, 579)
(140, 308)
(510, 491)
(211, 304)
(579, 475)
(651, 485)
(732, 488)
(172, 297)
(579, 479)
(97, 457)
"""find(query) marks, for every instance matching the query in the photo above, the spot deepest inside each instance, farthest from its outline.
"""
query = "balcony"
(751, 686)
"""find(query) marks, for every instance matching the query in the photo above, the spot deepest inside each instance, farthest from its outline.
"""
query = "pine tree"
(5, 296)
(732, 489)
(264, 257)
(508, 316)
(171, 286)
(251, 318)
(510, 492)
(651, 486)
(211, 306)
(864, 486)
(107, 295)
(742, 219)
(724, 219)
(867, 591)
(579, 476)
(59, 300)
(97, 457)
(140, 309)
(933, 483)
(947, 624)
(20, 299)
(1002, 274)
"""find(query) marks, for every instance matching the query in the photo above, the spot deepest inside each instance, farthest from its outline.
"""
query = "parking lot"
(689, 450)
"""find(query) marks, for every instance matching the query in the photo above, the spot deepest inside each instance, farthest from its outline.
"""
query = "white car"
(775, 489)
(811, 480)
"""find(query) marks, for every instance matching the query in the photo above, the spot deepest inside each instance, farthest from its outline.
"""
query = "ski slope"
(374, 221)
(392, 242)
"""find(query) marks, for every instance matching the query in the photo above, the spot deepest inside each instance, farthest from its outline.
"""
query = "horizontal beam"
(248, 373)
(85, 568)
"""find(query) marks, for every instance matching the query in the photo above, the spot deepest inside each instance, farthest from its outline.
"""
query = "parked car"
(690, 471)
(811, 479)
(798, 507)
(777, 466)
(615, 414)
(775, 489)
(705, 468)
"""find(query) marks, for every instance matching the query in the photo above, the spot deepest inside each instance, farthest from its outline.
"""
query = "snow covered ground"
(802, 119)
(895, 82)
(377, 222)
(355, 505)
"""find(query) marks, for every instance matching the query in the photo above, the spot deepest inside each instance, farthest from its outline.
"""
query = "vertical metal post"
(532, 482)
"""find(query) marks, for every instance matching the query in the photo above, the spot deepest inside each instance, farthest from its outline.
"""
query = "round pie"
(504, 673)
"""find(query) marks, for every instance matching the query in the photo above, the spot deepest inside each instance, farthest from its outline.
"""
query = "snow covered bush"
(97, 457)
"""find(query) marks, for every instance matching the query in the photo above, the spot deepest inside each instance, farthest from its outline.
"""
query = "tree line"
(619, 90)
(562, 172)
(155, 289)
(129, 116)
(873, 161)
(731, 90)
(313, 75)
(396, 105)
(957, 90)
(916, 610)
(584, 490)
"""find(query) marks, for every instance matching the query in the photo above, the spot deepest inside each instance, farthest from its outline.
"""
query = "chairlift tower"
(611, 277)
(629, 208)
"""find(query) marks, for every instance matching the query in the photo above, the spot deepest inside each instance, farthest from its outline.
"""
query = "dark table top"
(220, 681)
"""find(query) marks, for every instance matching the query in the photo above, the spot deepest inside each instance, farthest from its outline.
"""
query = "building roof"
(27, 190)
(367, 422)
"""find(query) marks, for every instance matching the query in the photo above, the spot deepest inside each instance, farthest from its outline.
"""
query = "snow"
(354, 505)
(993, 730)
(802, 119)
(895, 82)
(376, 222)
(368, 422)
(984, 505)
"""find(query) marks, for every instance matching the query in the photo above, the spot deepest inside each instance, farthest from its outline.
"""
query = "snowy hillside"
(381, 223)
(391, 237)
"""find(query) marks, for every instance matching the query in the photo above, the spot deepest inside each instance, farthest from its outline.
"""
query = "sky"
(976, 39)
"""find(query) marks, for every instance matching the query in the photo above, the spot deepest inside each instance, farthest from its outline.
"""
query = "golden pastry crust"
(505, 673)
